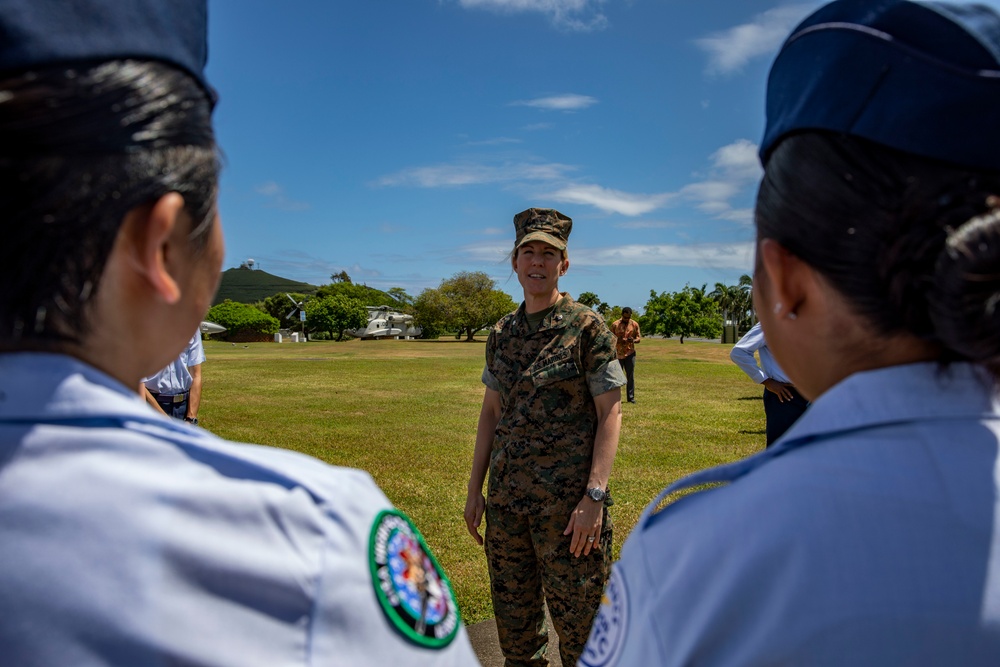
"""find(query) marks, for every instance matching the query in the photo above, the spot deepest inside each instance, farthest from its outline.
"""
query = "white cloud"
(498, 141)
(738, 159)
(734, 168)
(738, 256)
(729, 50)
(455, 175)
(611, 201)
(268, 189)
(741, 215)
(646, 224)
(567, 102)
(574, 15)
(275, 193)
(710, 191)
(299, 265)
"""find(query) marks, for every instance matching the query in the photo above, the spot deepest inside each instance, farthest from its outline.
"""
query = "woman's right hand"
(475, 505)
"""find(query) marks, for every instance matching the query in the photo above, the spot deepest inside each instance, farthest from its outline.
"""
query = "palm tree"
(727, 297)
(747, 316)
(588, 299)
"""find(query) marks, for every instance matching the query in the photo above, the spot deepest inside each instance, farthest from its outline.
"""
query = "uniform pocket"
(555, 369)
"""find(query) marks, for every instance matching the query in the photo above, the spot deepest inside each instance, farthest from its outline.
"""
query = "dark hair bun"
(965, 300)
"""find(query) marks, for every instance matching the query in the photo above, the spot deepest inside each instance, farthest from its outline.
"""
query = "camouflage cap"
(542, 224)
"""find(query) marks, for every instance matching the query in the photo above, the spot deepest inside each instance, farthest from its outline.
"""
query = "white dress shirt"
(742, 356)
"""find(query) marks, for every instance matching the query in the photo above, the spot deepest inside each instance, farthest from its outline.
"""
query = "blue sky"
(396, 139)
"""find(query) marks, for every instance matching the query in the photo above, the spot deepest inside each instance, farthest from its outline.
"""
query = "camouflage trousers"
(530, 564)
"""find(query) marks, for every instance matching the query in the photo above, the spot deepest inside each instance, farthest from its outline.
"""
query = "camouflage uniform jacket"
(547, 380)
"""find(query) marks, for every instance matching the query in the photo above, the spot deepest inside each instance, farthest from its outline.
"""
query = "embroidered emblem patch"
(608, 633)
(411, 587)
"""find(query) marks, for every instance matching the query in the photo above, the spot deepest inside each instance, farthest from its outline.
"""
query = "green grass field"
(406, 412)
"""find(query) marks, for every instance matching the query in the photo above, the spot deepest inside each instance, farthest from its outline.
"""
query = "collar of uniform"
(557, 319)
(38, 386)
(895, 395)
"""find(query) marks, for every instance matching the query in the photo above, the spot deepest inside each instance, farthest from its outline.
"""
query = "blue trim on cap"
(903, 74)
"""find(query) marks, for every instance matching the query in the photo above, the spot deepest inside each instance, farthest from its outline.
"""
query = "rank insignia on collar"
(411, 587)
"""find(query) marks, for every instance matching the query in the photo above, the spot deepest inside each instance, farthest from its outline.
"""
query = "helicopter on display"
(383, 322)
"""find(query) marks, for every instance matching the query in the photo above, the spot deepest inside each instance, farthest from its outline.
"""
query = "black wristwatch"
(597, 495)
(191, 420)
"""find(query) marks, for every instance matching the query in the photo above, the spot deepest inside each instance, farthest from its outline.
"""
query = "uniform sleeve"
(742, 353)
(490, 380)
(606, 378)
(364, 610)
(195, 352)
(600, 360)
(622, 633)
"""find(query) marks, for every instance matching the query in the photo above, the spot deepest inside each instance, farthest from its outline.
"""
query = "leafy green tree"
(242, 317)
(400, 295)
(341, 277)
(727, 297)
(280, 306)
(429, 314)
(369, 296)
(603, 309)
(466, 302)
(744, 312)
(335, 314)
(689, 312)
(589, 299)
(736, 303)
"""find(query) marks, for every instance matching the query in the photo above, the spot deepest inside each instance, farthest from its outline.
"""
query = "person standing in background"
(626, 331)
(176, 390)
(782, 403)
(547, 433)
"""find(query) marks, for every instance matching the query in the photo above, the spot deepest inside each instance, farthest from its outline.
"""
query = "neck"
(534, 303)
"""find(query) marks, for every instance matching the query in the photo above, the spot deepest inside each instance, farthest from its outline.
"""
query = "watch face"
(596, 494)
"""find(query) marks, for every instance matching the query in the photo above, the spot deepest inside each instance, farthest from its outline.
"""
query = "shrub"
(242, 318)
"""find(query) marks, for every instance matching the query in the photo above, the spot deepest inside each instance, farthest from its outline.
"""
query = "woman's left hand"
(585, 525)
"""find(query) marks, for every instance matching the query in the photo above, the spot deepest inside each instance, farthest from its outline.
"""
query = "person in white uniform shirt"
(869, 534)
(783, 404)
(126, 537)
(176, 390)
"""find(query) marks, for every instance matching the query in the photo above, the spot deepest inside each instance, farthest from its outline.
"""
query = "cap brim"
(541, 236)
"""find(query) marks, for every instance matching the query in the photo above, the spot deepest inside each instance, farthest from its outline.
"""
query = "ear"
(154, 232)
(565, 266)
(790, 281)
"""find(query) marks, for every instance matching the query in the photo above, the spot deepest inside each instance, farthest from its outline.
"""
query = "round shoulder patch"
(607, 637)
(411, 587)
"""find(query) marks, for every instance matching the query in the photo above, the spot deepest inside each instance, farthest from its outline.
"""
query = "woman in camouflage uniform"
(548, 432)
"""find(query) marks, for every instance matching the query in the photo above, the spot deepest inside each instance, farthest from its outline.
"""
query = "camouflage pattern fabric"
(547, 380)
(528, 556)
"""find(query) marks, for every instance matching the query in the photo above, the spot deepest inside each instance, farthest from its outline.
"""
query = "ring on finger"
(590, 539)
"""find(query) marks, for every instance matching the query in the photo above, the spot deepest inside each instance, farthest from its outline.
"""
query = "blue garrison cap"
(37, 33)
(921, 77)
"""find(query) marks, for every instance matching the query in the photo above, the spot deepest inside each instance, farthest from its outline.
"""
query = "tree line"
(470, 302)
